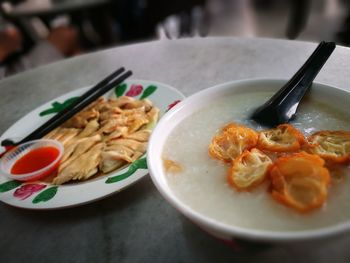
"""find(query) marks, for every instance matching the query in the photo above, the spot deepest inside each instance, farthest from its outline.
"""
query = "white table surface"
(137, 225)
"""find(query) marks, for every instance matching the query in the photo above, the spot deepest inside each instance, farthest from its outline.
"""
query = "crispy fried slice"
(281, 139)
(232, 141)
(300, 181)
(171, 166)
(80, 148)
(140, 136)
(82, 167)
(248, 170)
(333, 146)
(89, 129)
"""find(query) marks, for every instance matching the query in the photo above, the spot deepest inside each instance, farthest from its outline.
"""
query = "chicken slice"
(118, 132)
(69, 149)
(137, 123)
(132, 144)
(146, 104)
(63, 135)
(110, 125)
(109, 163)
(80, 148)
(152, 116)
(52, 134)
(114, 157)
(82, 167)
(121, 101)
(140, 136)
(110, 113)
(81, 119)
(89, 129)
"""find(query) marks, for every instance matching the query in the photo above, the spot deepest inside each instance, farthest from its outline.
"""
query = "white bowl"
(200, 100)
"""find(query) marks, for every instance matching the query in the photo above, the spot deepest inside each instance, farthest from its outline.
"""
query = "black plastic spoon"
(282, 106)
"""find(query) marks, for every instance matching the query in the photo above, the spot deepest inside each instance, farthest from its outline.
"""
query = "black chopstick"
(83, 101)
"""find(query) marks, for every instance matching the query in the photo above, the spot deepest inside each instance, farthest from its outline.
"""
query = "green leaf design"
(9, 185)
(57, 107)
(148, 91)
(45, 195)
(120, 89)
(138, 164)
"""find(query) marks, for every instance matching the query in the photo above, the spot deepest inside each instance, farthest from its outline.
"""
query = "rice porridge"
(203, 186)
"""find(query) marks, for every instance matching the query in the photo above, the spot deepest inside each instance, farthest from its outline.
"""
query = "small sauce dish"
(32, 160)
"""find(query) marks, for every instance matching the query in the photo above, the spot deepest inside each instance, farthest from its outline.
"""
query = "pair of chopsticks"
(112, 80)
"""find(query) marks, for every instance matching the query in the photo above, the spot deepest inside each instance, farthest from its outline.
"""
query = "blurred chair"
(29, 37)
(298, 17)
(139, 19)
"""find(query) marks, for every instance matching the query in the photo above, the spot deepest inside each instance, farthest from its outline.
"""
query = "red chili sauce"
(35, 160)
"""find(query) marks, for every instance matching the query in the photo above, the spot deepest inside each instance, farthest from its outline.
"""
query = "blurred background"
(37, 32)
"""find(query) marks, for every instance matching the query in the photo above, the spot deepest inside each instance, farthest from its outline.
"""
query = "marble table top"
(137, 224)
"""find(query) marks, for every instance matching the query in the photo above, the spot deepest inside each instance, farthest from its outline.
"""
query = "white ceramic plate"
(41, 195)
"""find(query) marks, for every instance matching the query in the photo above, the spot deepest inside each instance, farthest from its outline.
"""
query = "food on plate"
(283, 138)
(333, 146)
(300, 181)
(232, 140)
(106, 135)
(248, 170)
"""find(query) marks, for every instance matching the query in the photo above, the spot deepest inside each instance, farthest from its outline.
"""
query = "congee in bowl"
(197, 183)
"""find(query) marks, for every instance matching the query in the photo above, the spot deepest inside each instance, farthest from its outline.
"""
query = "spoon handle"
(282, 106)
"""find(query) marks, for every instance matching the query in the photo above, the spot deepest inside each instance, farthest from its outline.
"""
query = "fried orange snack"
(333, 146)
(283, 138)
(300, 181)
(248, 170)
(232, 141)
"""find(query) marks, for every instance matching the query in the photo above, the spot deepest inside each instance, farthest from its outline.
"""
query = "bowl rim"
(207, 222)
(34, 174)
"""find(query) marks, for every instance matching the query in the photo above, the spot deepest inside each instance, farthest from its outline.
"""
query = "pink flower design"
(134, 90)
(27, 190)
(170, 106)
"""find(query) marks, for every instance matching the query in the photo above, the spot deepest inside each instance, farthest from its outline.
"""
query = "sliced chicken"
(80, 148)
(89, 129)
(146, 104)
(132, 144)
(118, 132)
(82, 167)
(111, 125)
(152, 116)
(137, 123)
(140, 136)
(81, 119)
